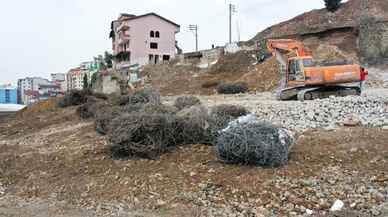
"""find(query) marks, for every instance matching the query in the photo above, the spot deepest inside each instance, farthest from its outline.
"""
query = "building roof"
(11, 107)
(77, 71)
(7, 87)
(49, 86)
(149, 14)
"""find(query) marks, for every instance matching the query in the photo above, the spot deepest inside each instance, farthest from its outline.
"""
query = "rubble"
(369, 111)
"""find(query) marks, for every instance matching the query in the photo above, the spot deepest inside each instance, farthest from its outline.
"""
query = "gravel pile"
(327, 113)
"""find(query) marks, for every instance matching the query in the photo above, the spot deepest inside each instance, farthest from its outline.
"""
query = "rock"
(337, 206)
(352, 121)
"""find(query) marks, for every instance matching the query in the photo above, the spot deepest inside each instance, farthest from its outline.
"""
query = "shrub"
(332, 5)
(232, 88)
(74, 97)
(104, 115)
(88, 110)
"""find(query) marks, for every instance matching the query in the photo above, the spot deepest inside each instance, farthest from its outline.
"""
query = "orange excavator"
(303, 79)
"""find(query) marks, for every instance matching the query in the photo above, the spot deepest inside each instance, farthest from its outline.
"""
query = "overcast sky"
(40, 37)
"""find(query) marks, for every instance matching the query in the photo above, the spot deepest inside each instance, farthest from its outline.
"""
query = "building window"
(166, 58)
(157, 34)
(152, 34)
(154, 45)
(150, 59)
(7, 96)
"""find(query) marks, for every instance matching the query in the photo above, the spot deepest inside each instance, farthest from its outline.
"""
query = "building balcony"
(123, 27)
(123, 39)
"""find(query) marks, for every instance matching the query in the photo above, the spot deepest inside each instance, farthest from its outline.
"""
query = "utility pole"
(194, 29)
(232, 9)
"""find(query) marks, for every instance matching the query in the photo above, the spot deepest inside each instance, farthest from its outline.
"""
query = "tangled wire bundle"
(150, 108)
(144, 96)
(233, 111)
(232, 88)
(186, 102)
(142, 135)
(194, 126)
(258, 144)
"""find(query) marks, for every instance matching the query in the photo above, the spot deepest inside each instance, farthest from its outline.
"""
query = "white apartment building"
(30, 84)
(75, 78)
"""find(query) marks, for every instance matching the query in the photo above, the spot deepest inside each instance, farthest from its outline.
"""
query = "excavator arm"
(279, 49)
(287, 45)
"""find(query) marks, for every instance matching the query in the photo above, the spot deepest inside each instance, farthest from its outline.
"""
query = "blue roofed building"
(8, 94)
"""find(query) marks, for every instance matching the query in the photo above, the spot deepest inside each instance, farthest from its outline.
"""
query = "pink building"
(144, 39)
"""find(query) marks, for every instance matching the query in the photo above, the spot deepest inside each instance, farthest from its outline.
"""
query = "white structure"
(29, 84)
(75, 78)
(60, 80)
(10, 108)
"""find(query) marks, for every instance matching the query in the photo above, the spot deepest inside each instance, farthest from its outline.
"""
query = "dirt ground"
(176, 79)
(54, 164)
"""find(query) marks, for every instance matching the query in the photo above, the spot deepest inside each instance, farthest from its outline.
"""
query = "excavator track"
(312, 93)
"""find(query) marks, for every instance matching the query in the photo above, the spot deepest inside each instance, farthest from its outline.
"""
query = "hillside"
(358, 29)
(317, 21)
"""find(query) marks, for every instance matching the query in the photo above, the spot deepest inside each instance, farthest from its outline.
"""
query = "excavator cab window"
(295, 71)
(291, 70)
(299, 74)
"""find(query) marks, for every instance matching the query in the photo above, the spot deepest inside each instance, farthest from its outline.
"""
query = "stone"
(337, 206)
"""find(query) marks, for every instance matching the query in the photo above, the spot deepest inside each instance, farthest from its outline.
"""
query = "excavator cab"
(295, 69)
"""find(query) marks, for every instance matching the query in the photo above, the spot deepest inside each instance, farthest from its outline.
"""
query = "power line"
(194, 29)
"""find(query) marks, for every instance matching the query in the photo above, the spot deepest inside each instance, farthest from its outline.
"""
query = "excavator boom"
(287, 45)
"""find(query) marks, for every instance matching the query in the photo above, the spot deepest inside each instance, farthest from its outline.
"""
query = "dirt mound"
(44, 106)
(329, 53)
(264, 76)
(234, 63)
(175, 79)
